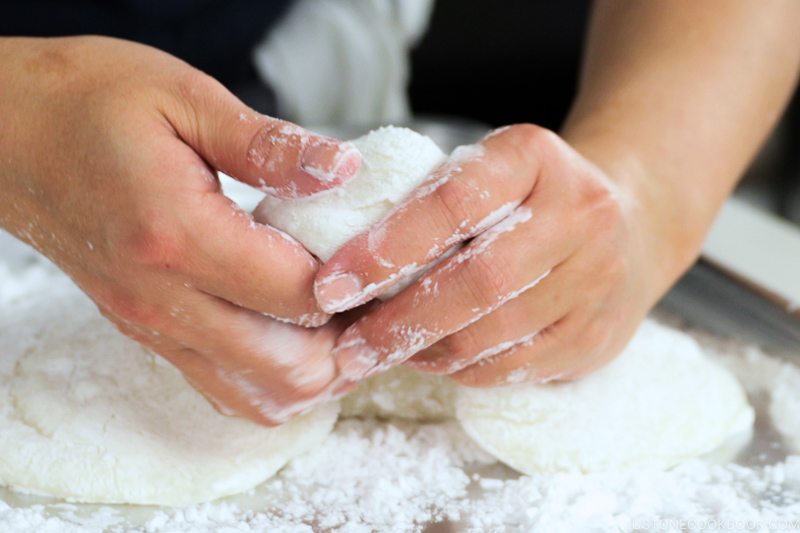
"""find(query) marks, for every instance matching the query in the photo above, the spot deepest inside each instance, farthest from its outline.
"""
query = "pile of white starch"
(392, 476)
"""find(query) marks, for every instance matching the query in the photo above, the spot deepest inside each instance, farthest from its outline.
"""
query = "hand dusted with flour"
(108, 159)
(534, 293)
(615, 211)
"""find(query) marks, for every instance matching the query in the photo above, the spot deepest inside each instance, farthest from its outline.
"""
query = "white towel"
(343, 62)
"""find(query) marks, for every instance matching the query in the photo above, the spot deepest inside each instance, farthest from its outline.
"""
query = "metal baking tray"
(705, 299)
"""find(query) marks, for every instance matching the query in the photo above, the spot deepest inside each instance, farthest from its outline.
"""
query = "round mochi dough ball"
(395, 161)
(89, 415)
(659, 403)
(402, 393)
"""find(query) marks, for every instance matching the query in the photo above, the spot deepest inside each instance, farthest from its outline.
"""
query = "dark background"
(500, 62)
(493, 62)
(518, 60)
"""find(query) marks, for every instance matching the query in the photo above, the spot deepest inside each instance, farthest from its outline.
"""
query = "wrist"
(13, 201)
(669, 222)
(29, 133)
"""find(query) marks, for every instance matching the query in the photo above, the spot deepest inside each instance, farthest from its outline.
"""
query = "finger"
(206, 239)
(494, 268)
(477, 187)
(279, 157)
(287, 360)
(516, 322)
(286, 375)
(203, 375)
(252, 265)
(568, 349)
(227, 394)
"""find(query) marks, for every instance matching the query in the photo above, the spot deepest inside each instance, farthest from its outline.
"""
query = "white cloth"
(339, 62)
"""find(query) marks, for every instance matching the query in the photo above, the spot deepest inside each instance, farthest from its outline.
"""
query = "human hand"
(108, 159)
(560, 263)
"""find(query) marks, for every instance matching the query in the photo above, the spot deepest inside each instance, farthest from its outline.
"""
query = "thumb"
(273, 155)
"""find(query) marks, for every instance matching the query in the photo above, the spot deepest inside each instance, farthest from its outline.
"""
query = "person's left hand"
(559, 265)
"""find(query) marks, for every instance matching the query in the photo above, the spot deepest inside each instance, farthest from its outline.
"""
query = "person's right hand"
(108, 159)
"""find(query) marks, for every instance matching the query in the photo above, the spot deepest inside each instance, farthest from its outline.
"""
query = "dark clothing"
(216, 36)
(503, 57)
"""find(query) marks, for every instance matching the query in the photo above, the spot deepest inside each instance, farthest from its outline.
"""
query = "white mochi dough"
(659, 403)
(90, 416)
(395, 161)
(784, 406)
(402, 393)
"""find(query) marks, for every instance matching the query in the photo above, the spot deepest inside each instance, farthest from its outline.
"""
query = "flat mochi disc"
(90, 416)
(659, 403)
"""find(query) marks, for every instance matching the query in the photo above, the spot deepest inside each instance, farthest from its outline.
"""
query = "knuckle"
(134, 317)
(533, 136)
(599, 211)
(615, 268)
(461, 345)
(123, 308)
(487, 279)
(454, 201)
(189, 81)
(194, 95)
(607, 208)
(155, 245)
(594, 337)
(598, 200)
(534, 146)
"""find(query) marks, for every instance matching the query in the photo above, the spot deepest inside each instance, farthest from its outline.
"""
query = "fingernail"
(329, 161)
(338, 292)
(354, 357)
(348, 162)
